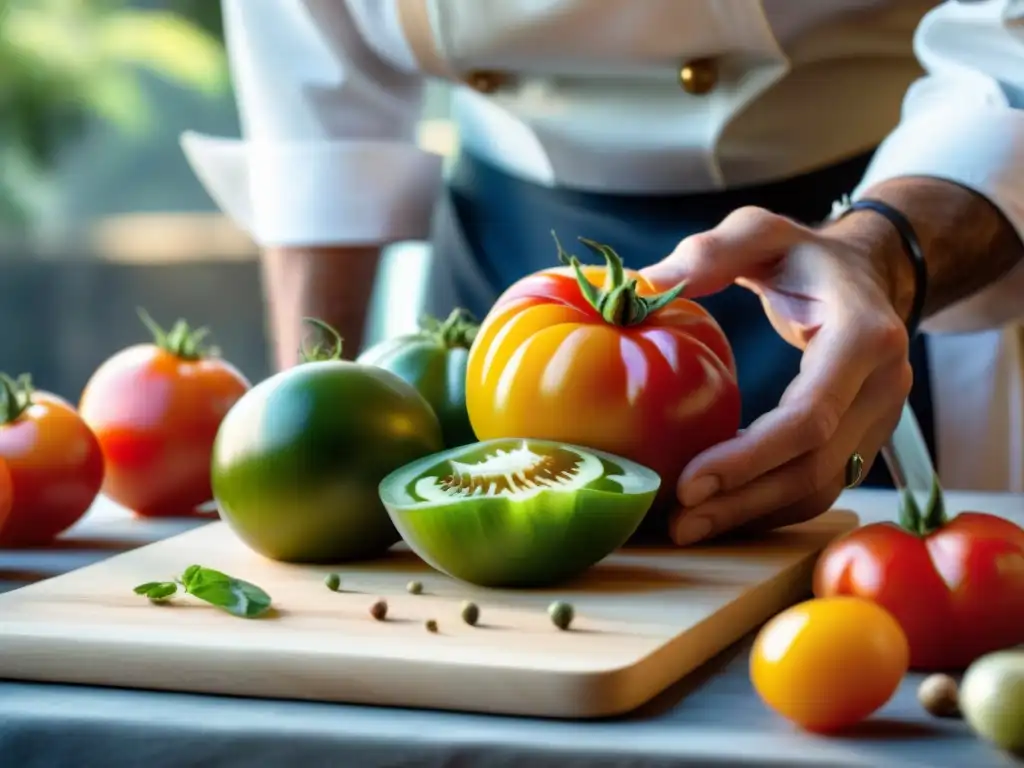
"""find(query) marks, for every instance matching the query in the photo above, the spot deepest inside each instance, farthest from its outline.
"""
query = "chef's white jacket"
(642, 96)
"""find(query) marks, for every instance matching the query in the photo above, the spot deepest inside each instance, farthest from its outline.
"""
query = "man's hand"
(331, 284)
(840, 295)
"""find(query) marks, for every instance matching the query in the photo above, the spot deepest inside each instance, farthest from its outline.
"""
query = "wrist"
(877, 246)
(330, 284)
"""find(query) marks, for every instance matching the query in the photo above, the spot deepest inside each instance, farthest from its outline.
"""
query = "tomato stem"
(318, 352)
(931, 519)
(459, 329)
(617, 301)
(15, 397)
(182, 340)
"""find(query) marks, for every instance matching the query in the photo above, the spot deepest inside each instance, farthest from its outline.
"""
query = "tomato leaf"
(237, 597)
(157, 590)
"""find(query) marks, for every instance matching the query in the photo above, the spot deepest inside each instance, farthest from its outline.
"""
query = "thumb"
(747, 244)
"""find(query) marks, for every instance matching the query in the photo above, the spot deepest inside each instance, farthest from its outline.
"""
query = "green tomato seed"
(414, 587)
(332, 581)
(561, 614)
(470, 613)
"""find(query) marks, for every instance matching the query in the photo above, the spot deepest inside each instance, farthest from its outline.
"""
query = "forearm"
(331, 284)
(967, 242)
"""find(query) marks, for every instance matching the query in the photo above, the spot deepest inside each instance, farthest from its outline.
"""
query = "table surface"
(711, 718)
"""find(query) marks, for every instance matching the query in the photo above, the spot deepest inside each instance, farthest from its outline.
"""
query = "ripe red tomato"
(156, 409)
(6, 492)
(593, 356)
(956, 587)
(54, 461)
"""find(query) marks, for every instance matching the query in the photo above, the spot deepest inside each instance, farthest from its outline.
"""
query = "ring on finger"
(854, 470)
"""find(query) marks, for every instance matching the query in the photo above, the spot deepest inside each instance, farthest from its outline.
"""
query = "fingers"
(747, 243)
(785, 485)
(834, 368)
(806, 486)
(821, 500)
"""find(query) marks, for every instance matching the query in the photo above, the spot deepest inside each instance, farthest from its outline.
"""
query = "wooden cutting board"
(644, 619)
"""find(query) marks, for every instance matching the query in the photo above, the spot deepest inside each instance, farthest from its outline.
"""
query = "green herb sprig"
(235, 596)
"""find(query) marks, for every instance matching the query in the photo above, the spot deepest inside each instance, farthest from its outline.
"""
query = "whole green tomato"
(992, 699)
(434, 361)
(298, 459)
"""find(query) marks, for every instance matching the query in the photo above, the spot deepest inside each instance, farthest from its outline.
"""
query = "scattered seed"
(561, 614)
(379, 610)
(431, 625)
(332, 581)
(939, 695)
(470, 613)
(415, 587)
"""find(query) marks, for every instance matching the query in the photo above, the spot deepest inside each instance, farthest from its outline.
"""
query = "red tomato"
(956, 587)
(6, 492)
(54, 461)
(156, 409)
(598, 359)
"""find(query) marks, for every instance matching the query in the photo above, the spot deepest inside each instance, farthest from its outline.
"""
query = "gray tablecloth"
(713, 718)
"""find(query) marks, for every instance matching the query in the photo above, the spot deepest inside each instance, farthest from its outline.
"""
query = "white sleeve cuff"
(323, 193)
(981, 149)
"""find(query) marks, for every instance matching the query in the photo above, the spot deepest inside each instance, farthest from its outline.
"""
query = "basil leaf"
(157, 590)
(235, 596)
(190, 574)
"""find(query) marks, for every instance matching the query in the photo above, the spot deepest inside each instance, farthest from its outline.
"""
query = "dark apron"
(493, 228)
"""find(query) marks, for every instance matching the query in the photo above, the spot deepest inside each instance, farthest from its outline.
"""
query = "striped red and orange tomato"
(593, 356)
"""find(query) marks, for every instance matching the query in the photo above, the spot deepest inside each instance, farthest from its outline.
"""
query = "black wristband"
(912, 247)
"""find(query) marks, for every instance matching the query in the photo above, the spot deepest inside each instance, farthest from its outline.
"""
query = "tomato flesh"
(56, 470)
(827, 664)
(958, 592)
(518, 513)
(298, 459)
(156, 416)
(547, 365)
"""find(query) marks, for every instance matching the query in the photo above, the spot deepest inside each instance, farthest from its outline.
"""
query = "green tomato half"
(434, 362)
(298, 460)
(518, 513)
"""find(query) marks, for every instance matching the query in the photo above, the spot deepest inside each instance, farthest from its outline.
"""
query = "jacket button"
(485, 81)
(698, 76)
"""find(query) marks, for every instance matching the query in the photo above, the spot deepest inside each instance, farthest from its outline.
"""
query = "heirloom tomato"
(156, 408)
(992, 699)
(434, 361)
(827, 664)
(54, 460)
(593, 356)
(298, 460)
(518, 513)
(6, 492)
(956, 586)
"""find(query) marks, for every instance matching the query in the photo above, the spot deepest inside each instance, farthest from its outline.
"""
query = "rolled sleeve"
(328, 153)
(964, 123)
(319, 193)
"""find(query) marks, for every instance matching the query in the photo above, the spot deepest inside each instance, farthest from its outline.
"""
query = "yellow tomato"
(827, 664)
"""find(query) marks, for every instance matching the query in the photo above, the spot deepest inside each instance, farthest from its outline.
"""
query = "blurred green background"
(91, 91)
(99, 211)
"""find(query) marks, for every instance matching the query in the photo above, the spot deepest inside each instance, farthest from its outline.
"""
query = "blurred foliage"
(63, 62)
(205, 13)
